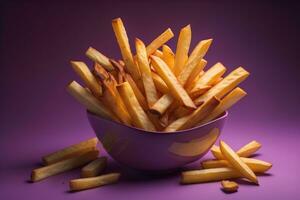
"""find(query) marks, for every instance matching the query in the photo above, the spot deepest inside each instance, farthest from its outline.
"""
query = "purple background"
(38, 39)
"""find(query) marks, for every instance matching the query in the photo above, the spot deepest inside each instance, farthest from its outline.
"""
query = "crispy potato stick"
(193, 119)
(71, 151)
(113, 99)
(227, 102)
(139, 95)
(123, 42)
(159, 84)
(229, 186)
(195, 73)
(89, 101)
(120, 70)
(199, 91)
(100, 72)
(174, 86)
(218, 81)
(86, 75)
(92, 182)
(63, 166)
(150, 90)
(168, 56)
(94, 168)
(159, 41)
(192, 62)
(162, 104)
(249, 149)
(159, 54)
(256, 165)
(138, 115)
(236, 162)
(182, 49)
(216, 152)
(226, 85)
(181, 112)
(159, 126)
(209, 175)
(99, 58)
(208, 78)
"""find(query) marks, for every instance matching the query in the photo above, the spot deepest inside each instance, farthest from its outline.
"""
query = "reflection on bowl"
(155, 151)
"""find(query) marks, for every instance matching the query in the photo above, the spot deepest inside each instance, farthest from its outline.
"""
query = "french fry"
(192, 62)
(150, 90)
(236, 162)
(92, 182)
(86, 75)
(100, 72)
(245, 151)
(229, 186)
(159, 41)
(189, 84)
(168, 56)
(159, 126)
(138, 115)
(182, 49)
(159, 83)
(89, 101)
(194, 118)
(71, 151)
(226, 85)
(227, 102)
(123, 42)
(159, 54)
(256, 165)
(208, 78)
(139, 95)
(174, 86)
(94, 168)
(162, 104)
(99, 58)
(63, 166)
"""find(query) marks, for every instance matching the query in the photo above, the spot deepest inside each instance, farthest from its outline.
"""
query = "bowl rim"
(222, 116)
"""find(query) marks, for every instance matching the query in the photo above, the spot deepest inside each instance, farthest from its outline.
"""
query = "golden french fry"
(159, 54)
(123, 42)
(193, 119)
(236, 162)
(168, 56)
(195, 74)
(256, 165)
(63, 166)
(99, 58)
(229, 186)
(216, 152)
(100, 72)
(89, 101)
(227, 102)
(208, 78)
(94, 168)
(249, 149)
(138, 115)
(86, 75)
(182, 49)
(139, 95)
(71, 151)
(159, 83)
(150, 90)
(194, 59)
(162, 104)
(226, 85)
(92, 182)
(159, 41)
(159, 126)
(174, 86)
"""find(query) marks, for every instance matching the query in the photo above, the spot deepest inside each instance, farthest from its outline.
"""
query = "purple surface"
(37, 116)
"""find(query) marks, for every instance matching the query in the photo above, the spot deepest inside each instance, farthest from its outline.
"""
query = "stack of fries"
(83, 154)
(228, 165)
(157, 89)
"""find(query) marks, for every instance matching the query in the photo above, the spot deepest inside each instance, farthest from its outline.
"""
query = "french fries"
(159, 41)
(94, 168)
(99, 58)
(162, 104)
(182, 49)
(198, 70)
(236, 162)
(71, 151)
(139, 117)
(150, 90)
(174, 86)
(168, 56)
(159, 83)
(92, 182)
(63, 166)
(229, 186)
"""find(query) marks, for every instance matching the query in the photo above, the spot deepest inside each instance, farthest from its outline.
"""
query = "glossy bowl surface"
(155, 151)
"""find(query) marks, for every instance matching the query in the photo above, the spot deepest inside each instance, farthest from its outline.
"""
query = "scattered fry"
(92, 182)
(229, 186)
(94, 168)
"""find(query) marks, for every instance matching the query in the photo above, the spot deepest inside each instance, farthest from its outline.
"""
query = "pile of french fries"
(228, 164)
(157, 89)
(84, 155)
